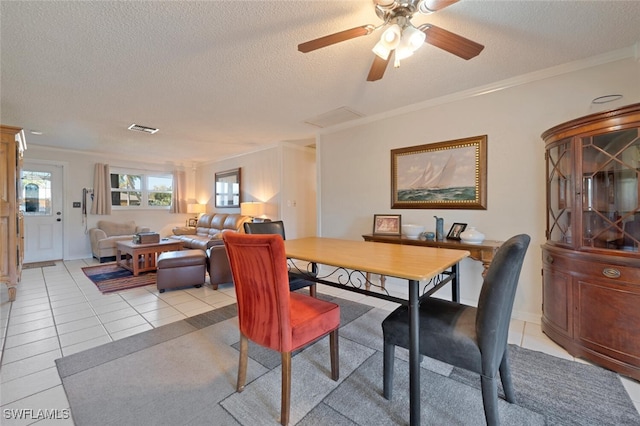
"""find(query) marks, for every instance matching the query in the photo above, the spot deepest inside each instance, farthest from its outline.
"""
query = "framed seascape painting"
(443, 175)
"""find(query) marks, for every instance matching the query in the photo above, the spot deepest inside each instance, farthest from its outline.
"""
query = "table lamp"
(197, 209)
(252, 209)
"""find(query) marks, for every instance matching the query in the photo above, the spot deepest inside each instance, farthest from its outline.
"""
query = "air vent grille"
(145, 129)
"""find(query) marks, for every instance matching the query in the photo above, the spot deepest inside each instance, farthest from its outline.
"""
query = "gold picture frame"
(443, 175)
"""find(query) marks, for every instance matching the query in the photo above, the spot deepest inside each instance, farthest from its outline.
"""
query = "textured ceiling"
(224, 77)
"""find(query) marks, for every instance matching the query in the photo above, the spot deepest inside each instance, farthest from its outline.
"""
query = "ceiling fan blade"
(335, 38)
(435, 5)
(378, 68)
(452, 43)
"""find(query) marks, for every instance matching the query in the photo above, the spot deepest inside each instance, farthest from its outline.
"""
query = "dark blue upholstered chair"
(464, 336)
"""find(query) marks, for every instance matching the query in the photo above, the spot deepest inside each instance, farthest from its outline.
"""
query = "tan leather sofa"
(105, 235)
(208, 236)
(209, 229)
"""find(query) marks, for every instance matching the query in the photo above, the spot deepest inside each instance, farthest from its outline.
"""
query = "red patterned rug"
(111, 277)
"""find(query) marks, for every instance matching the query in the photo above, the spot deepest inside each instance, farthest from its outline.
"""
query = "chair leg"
(286, 388)
(505, 377)
(242, 365)
(490, 400)
(335, 355)
(388, 359)
(312, 290)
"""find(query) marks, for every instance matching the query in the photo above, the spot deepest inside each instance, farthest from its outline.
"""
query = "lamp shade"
(388, 41)
(252, 209)
(196, 208)
(412, 39)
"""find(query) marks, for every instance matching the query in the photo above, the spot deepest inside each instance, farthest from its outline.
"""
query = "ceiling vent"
(334, 117)
(144, 129)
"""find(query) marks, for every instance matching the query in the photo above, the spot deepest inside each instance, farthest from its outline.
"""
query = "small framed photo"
(192, 222)
(387, 224)
(456, 230)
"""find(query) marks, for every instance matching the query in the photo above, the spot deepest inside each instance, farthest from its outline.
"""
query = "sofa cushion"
(110, 242)
(217, 221)
(117, 228)
(234, 222)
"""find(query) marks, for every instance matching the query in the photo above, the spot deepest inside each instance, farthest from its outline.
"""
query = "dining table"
(346, 264)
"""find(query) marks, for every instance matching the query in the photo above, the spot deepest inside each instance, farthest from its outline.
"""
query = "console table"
(483, 252)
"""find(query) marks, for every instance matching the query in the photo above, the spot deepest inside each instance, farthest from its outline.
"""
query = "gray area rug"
(185, 373)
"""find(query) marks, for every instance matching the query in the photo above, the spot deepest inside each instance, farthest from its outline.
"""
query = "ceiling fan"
(401, 37)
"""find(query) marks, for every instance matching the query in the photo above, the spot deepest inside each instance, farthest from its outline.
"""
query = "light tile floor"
(59, 311)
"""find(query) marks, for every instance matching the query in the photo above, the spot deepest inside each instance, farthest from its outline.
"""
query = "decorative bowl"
(412, 231)
(472, 236)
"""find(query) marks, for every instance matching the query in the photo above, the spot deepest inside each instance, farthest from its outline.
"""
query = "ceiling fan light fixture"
(381, 50)
(402, 52)
(424, 8)
(413, 38)
(389, 40)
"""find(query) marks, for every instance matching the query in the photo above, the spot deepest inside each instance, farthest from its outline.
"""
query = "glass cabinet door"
(610, 172)
(559, 168)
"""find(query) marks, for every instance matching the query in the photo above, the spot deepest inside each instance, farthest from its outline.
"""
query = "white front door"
(42, 206)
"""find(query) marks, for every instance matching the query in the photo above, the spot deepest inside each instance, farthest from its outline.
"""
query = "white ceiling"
(224, 77)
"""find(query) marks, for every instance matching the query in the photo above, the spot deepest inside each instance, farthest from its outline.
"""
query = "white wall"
(78, 171)
(281, 176)
(299, 191)
(259, 180)
(354, 162)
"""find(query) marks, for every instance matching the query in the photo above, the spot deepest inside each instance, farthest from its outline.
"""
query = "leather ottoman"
(181, 269)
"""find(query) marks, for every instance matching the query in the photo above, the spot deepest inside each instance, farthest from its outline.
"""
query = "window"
(36, 193)
(140, 190)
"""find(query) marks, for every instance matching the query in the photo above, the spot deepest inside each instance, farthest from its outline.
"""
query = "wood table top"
(395, 260)
(162, 242)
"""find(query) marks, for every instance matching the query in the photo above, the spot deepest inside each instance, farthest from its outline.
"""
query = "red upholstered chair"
(269, 314)
(296, 281)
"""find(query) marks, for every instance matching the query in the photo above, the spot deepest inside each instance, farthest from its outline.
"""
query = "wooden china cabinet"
(591, 260)
(11, 219)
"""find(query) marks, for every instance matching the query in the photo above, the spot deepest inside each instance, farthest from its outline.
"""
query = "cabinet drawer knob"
(549, 258)
(611, 273)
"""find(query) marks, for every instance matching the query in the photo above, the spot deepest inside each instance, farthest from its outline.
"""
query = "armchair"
(218, 264)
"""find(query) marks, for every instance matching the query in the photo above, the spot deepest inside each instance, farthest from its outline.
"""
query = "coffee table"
(142, 257)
